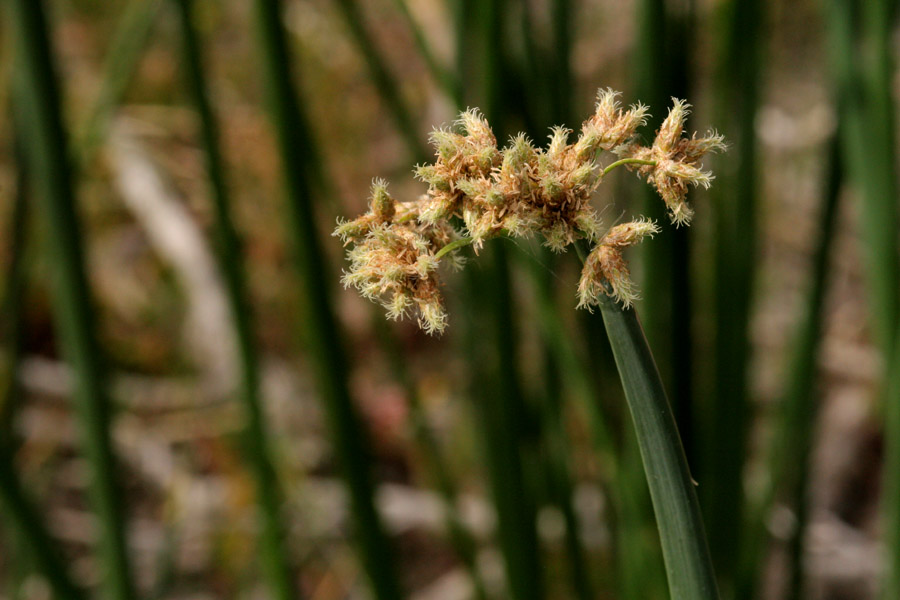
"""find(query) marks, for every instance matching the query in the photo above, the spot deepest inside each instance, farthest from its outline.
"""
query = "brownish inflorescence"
(518, 191)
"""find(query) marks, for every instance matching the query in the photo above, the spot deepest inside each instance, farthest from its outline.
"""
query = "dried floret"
(605, 270)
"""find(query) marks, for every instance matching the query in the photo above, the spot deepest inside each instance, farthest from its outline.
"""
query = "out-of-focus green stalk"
(26, 534)
(862, 82)
(563, 82)
(29, 528)
(274, 558)
(506, 414)
(13, 299)
(555, 437)
(890, 500)
(798, 408)
(387, 85)
(37, 97)
(323, 336)
(688, 564)
(735, 233)
(462, 541)
(128, 42)
(499, 402)
(869, 156)
(444, 77)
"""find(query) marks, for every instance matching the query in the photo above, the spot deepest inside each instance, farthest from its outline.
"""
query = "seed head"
(518, 191)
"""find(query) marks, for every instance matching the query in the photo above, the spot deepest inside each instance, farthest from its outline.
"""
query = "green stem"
(323, 336)
(444, 77)
(275, 561)
(797, 418)
(384, 81)
(626, 161)
(41, 110)
(29, 527)
(25, 530)
(460, 538)
(688, 563)
(454, 245)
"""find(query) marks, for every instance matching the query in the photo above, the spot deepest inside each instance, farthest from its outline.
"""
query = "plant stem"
(460, 538)
(625, 161)
(794, 427)
(25, 531)
(29, 527)
(460, 243)
(39, 104)
(382, 78)
(275, 561)
(688, 564)
(442, 75)
(326, 351)
(734, 255)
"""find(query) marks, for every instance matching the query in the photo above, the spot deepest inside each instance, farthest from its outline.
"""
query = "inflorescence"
(518, 191)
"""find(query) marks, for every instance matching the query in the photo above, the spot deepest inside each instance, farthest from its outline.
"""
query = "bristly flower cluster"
(518, 191)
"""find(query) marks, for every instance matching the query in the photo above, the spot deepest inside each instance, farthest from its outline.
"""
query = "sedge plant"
(396, 249)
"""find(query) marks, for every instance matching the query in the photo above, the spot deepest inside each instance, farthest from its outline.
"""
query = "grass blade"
(46, 146)
(323, 337)
(382, 78)
(275, 561)
(688, 563)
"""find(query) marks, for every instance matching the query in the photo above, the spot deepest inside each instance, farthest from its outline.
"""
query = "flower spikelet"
(677, 161)
(609, 127)
(605, 270)
(394, 261)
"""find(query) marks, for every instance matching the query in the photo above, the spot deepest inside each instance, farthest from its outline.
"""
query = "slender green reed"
(460, 538)
(445, 77)
(29, 528)
(125, 51)
(13, 300)
(562, 84)
(387, 85)
(25, 531)
(890, 500)
(555, 443)
(798, 408)
(735, 234)
(274, 558)
(46, 145)
(869, 155)
(323, 336)
(506, 415)
(687, 559)
(862, 83)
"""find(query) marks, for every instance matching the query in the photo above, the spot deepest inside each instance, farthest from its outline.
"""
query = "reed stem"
(39, 104)
(323, 337)
(274, 557)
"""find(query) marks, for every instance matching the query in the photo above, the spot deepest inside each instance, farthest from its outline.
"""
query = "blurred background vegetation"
(192, 408)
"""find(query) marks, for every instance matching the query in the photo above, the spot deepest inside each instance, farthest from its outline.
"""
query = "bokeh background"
(499, 458)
